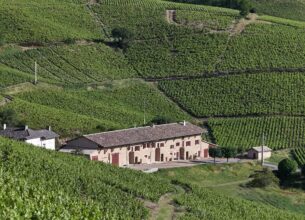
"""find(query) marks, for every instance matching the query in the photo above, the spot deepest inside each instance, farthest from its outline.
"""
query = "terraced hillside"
(206, 61)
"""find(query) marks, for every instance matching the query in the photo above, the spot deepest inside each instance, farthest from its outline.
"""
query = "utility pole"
(35, 81)
(263, 143)
(144, 113)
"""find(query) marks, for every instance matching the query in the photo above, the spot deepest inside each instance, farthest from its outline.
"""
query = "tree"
(244, 6)
(160, 119)
(228, 152)
(9, 117)
(215, 152)
(286, 167)
(122, 36)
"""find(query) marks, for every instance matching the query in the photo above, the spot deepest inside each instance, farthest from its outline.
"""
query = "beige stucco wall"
(251, 154)
(170, 150)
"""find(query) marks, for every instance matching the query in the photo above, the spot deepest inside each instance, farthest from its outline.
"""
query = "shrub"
(122, 36)
(263, 179)
(69, 41)
(287, 167)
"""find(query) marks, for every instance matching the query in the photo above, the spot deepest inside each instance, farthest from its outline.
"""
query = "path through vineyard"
(241, 24)
(171, 16)
(166, 208)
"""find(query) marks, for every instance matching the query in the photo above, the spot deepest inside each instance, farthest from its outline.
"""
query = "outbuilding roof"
(144, 134)
(259, 149)
(27, 134)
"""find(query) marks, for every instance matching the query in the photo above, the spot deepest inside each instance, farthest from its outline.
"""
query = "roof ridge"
(105, 132)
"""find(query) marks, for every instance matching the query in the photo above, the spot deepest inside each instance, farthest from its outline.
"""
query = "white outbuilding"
(257, 152)
(44, 138)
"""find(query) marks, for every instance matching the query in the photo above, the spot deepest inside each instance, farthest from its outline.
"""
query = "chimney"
(49, 128)
(4, 126)
(153, 126)
(26, 127)
(184, 123)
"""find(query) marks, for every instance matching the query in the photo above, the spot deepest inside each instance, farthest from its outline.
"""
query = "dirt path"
(230, 183)
(92, 2)
(171, 16)
(165, 209)
(241, 24)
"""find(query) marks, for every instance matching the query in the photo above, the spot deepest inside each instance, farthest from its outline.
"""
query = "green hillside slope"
(37, 183)
(104, 108)
(172, 41)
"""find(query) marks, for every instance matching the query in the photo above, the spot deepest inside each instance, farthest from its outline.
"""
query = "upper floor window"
(196, 142)
(162, 145)
(178, 144)
(188, 143)
(172, 146)
(137, 148)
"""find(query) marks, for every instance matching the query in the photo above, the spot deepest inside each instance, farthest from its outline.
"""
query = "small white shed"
(256, 153)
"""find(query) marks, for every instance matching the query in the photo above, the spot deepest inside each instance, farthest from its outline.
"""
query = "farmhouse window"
(128, 148)
(172, 146)
(144, 146)
(145, 156)
(162, 145)
(112, 149)
(94, 157)
(137, 148)
(197, 142)
(105, 151)
(188, 143)
(178, 144)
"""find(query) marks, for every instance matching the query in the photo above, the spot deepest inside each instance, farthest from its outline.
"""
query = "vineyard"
(11, 76)
(100, 189)
(282, 8)
(280, 132)
(251, 94)
(299, 155)
(38, 22)
(110, 107)
(72, 63)
(265, 46)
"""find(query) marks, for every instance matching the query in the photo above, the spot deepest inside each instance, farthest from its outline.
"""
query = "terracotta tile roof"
(144, 134)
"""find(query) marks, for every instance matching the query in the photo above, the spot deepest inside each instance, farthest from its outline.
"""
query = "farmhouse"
(150, 144)
(44, 138)
(256, 153)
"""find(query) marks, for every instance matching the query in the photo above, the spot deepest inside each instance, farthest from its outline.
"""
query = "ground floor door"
(157, 154)
(181, 152)
(206, 153)
(162, 157)
(187, 155)
(131, 157)
(116, 159)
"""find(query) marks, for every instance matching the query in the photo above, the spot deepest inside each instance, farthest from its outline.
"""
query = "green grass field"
(222, 185)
